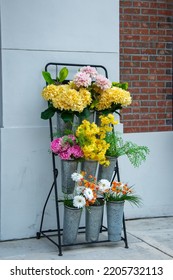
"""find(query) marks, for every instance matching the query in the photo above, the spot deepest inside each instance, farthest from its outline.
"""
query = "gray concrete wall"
(34, 33)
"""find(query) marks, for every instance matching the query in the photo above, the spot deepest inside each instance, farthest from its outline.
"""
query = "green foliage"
(120, 85)
(68, 200)
(47, 77)
(135, 153)
(84, 114)
(48, 113)
(67, 116)
(132, 199)
(63, 73)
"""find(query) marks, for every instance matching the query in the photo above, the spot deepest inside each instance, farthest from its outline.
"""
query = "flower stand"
(93, 229)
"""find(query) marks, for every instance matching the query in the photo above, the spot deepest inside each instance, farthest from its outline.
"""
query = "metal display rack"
(51, 234)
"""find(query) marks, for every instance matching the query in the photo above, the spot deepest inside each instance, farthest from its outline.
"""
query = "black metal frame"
(51, 232)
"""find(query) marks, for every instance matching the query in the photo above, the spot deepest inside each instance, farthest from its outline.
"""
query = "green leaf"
(120, 85)
(47, 77)
(84, 114)
(62, 74)
(67, 116)
(48, 113)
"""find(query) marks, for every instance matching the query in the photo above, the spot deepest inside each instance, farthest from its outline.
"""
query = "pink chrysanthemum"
(90, 71)
(64, 155)
(82, 79)
(66, 147)
(55, 145)
(75, 151)
(102, 82)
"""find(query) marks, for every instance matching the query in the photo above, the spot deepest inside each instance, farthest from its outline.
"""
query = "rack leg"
(125, 233)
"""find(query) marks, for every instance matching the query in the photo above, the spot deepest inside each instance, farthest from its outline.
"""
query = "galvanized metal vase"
(67, 168)
(107, 172)
(91, 117)
(62, 126)
(115, 211)
(90, 167)
(71, 222)
(94, 217)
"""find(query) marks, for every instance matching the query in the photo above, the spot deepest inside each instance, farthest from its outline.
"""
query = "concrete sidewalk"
(148, 239)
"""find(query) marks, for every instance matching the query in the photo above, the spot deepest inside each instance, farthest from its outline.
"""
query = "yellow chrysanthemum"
(111, 96)
(49, 92)
(64, 97)
(91, 138)
(107, 120)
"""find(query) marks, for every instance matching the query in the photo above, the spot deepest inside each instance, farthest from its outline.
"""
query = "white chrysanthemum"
(79, 189)
(88, 194)
(76, 177)
(79, 201)
(103, 185)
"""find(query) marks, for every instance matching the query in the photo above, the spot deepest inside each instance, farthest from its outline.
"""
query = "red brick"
(131, 64)
(142, 18)
(165, 103)
(148, 103)
(131, 116)
(140, 4)
(140, 71)
(149, 11)
(140, 97)
(125, 3)
(156, 122)
(157, 110)
(157, 71)
(148, 77)
(148, 65)
(159, 32)
(158, 5)
(131, 51)
(141, 31)
(148, 90)
(148, 51)
(140, 123)
(131, 11)
(149, 116)
(140, 57)
(156, 84)
(132, 24)
(140, 84)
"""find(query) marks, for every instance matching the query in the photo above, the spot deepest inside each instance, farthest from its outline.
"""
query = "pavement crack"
(151, 245)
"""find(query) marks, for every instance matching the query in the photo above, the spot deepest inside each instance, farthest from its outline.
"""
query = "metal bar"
(125, 233)
(44, 208)
(74, 64)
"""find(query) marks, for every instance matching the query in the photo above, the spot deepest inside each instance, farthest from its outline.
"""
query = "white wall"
(153, 180)
(34, 33)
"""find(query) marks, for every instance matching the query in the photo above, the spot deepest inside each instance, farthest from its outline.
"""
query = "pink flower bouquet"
(66, 147)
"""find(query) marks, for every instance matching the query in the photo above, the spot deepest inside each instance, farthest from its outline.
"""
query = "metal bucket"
(94, 217)
(67, 168)
(107, 172)
(71, 222)
(115, 211)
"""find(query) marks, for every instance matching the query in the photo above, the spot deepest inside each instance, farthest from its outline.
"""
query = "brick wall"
(146, 63)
